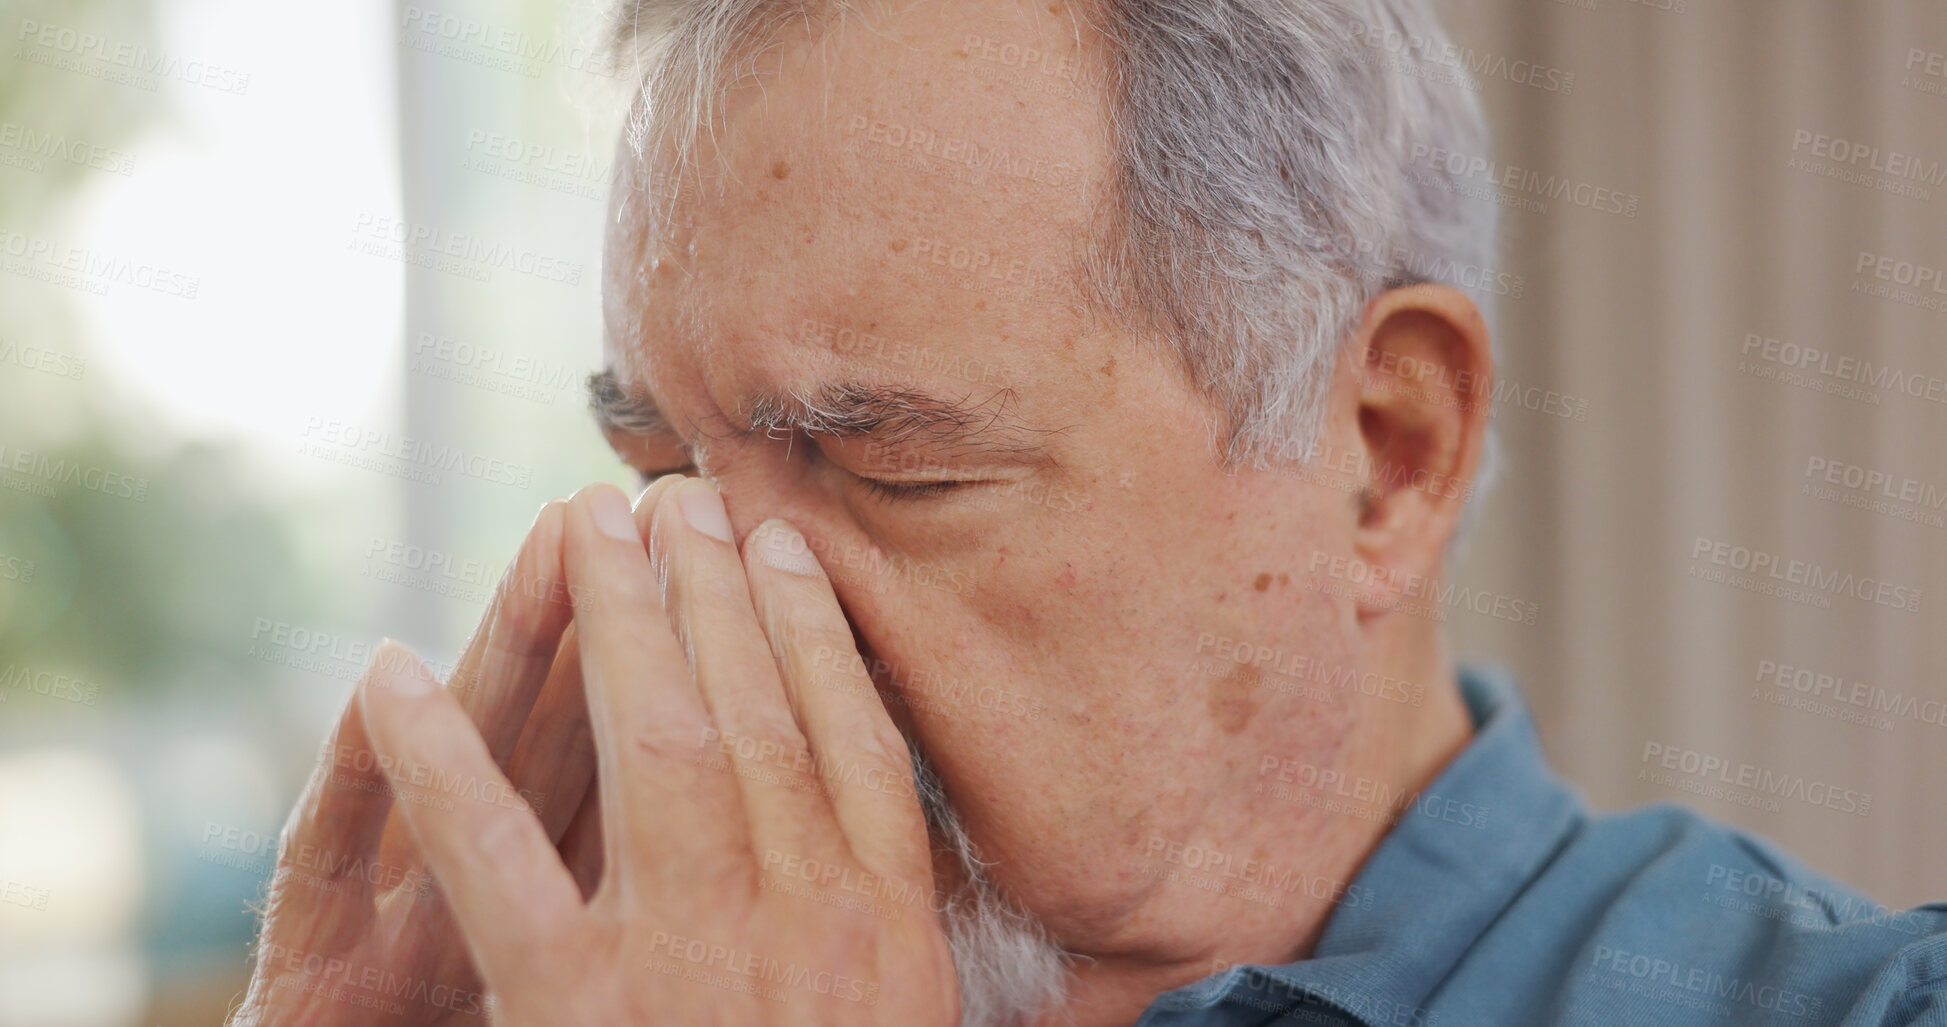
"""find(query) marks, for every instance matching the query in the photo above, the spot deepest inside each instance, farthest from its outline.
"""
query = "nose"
(751, 498)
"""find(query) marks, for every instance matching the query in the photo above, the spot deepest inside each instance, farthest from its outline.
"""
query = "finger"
(504, 664)
(342, 813)
(758, 738)
(663, 812)
(555, 757)
(554, 762)
(515, 903)
(581, 844)
(860, 755)
(506, 660)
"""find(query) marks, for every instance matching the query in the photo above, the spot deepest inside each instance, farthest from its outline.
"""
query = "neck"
(1400, 746)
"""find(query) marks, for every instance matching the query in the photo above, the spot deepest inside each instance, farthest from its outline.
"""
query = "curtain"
(1735, 537)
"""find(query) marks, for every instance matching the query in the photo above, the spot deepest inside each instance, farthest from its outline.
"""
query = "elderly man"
(1057, 417)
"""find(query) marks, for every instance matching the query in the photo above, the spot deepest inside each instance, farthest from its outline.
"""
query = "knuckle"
(707, 588)
(501, 840)
(880, 742)
(631, 591)
(530, 599)
(812, 635)
(771, 730)
(670, 739)
(854, 944)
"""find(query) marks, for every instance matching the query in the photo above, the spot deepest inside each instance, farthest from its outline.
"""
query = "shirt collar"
(1437, 880)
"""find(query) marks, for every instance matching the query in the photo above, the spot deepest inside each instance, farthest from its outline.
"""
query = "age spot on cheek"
(1234, 697)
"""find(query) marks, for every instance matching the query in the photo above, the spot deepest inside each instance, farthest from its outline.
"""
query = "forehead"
(902, 187)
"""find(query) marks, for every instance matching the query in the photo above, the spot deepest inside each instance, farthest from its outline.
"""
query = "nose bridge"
(747, 510)
(756, 489)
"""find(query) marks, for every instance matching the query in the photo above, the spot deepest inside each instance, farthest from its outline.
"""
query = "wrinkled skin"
(1057, 628)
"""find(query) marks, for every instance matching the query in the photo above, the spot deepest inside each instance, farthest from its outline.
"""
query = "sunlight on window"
(251, 201)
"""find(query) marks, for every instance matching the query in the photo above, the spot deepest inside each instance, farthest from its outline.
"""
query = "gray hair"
(1269, 178)
(1008, 968)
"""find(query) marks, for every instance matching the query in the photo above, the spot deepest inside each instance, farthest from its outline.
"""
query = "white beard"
(1008, 967)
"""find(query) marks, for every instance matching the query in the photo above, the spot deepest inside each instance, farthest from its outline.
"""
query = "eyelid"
(891, 490)
(892, 465)
(900, 491)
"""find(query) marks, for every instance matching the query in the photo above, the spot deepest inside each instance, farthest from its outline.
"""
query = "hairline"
(1263, 412)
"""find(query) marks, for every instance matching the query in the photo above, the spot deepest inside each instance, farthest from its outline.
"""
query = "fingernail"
(779, 545)
(400, 671)
(703, 508)
(610, 508)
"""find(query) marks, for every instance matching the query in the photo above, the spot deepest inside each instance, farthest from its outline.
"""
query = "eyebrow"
(616, 409)
(887, 414)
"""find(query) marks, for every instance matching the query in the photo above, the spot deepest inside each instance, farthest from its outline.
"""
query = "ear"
(1426, 386)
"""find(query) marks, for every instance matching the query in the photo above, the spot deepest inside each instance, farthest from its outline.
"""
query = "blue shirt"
(1499, 899)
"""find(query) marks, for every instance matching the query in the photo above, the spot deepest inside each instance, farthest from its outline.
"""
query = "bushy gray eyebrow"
(889, 415)
(617, 409)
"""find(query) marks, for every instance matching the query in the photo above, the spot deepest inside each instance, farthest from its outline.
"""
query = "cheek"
(1187, 638)
(1083, 700)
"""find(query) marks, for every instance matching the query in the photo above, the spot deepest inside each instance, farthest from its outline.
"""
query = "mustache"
(942, 820)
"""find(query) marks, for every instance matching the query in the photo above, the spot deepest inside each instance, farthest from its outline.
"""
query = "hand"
(354, 931)
(752, 792)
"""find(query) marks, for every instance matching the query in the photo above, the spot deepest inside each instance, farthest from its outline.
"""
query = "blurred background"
(298, 301)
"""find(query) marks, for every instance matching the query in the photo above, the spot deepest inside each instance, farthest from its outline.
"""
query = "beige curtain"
(1767, 312)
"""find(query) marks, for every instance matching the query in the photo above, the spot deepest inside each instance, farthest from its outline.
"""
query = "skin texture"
(1059, 632)
(1081, 577)
(695, 665)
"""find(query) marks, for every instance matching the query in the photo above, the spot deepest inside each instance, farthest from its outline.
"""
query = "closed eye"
(890, 491)
(900, 491)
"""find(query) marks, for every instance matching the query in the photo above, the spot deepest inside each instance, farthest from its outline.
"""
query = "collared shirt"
(1499, 898)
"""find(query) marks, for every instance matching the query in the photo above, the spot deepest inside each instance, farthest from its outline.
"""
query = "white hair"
(1270, 177)
(1008, 968)
(1264, 189)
